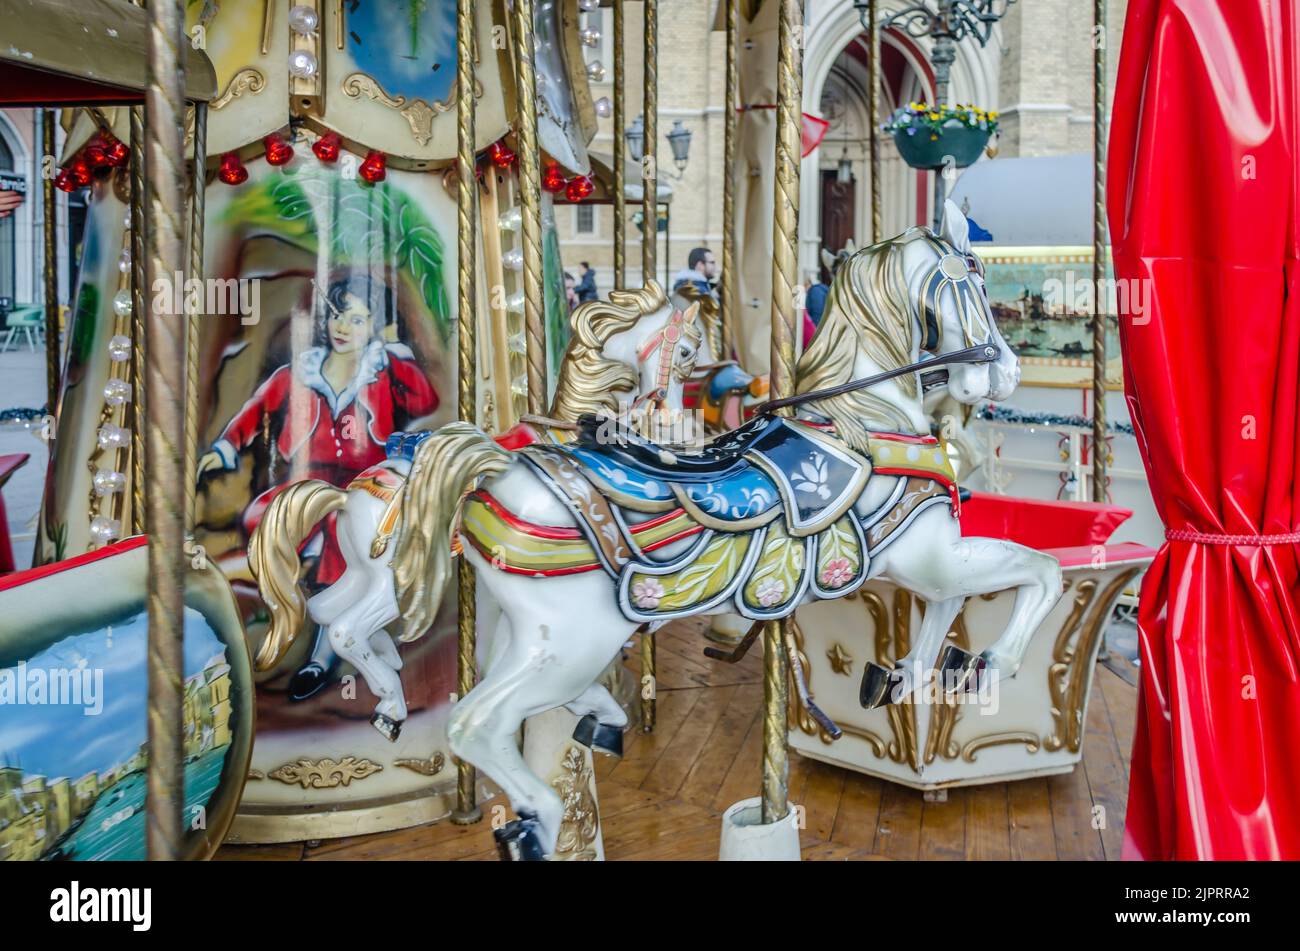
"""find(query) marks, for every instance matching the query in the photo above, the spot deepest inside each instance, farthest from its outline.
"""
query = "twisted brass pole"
(51, 273)
(138, 414)
(1099, 251)
(194, 321)
(165, 433)
(873, 115)
(620, 160)
(467, 809)
(530, 203)
(730, 122)
(785, 247)
(649, 172)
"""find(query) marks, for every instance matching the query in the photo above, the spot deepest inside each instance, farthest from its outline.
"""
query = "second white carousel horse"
(627, 359)
(581, 544)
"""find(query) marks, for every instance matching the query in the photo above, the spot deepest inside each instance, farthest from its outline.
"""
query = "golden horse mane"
(868, 308)
(588, 381)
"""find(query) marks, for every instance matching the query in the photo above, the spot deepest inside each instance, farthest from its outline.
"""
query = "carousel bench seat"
(1030, 725)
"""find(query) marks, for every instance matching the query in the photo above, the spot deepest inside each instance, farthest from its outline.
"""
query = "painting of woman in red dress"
(330, 412)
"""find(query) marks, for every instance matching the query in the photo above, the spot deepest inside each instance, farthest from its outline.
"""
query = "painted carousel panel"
(73, 731)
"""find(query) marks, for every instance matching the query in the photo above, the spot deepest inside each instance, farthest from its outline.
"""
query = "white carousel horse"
(627, 358)
(577, 547)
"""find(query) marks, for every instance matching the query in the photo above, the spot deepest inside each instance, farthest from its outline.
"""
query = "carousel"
(366, 546)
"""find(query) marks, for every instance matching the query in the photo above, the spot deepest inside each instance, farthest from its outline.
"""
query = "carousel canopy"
(1040, 202)
(60, 52)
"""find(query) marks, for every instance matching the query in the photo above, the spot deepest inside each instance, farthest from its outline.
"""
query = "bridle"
(670, 364)
(952, 271)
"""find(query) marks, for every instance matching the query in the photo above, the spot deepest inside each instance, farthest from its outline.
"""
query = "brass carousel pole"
(193, 321)
(873, 115)
(530, 202)
(165, 427)
(137, 226)
(620, 159)
(729, 185)
(1099, 448)
(467, 809)
(649, 244)
(649, 172)
(51, 272)
(785, 249)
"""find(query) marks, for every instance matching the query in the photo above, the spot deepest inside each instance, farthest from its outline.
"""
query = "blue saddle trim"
(739, 482)
(403, 445)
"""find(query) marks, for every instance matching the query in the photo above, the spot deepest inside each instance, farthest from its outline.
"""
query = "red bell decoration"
(327, 147)
(64, 181)
(375, 167)
(116, 153)
(81, 173)
(95, 155)
(232, 170)
(278, 151)
(501, 155)
(579, 187)
(553, 179)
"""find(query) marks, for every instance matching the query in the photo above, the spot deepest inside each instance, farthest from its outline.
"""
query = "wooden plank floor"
(665, 797)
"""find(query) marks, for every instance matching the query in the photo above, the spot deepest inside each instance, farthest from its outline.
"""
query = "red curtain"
(1203, 209)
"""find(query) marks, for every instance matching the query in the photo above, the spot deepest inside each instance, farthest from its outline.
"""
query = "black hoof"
(878, 684)
(597, 736)
(960, 670)
(386, 725)
(308, 681)
(518, 841)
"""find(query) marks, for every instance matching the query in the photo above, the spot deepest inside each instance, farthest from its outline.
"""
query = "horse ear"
(828, 259)
(692, 312)
(955, 228)
(850, 248)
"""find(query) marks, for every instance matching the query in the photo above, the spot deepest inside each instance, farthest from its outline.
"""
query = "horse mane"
(867, 308)
(588, 381)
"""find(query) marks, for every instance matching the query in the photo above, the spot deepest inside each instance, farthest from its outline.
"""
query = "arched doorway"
(835, 202)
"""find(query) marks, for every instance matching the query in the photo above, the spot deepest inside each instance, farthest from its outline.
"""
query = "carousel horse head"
(629, 356)
(891, 302)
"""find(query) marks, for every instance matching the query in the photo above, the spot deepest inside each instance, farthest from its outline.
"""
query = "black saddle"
(713, 462)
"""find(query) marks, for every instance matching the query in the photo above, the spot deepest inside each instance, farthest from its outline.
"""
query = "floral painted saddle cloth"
(762, 518)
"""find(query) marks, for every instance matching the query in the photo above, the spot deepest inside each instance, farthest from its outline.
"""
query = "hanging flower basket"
(926, 135)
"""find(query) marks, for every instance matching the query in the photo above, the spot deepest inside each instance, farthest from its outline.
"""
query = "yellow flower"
(993, 115)
(933, 137)
(934, 115)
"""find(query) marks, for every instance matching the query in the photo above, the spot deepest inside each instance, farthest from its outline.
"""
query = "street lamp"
(679, 140)
(947, 23)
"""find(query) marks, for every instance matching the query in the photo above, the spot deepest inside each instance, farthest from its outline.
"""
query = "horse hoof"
(307, 681)
(878, 684)
(518, 840)
(960, 670)
(595, 735)
(390, 728)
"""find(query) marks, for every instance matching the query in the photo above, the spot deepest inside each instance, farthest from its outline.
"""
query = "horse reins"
(984, 353)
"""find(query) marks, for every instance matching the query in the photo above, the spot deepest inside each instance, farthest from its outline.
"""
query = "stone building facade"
(1036, 71)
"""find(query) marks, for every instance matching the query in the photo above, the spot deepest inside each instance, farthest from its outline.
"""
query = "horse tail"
(273, 559)
(447, 467)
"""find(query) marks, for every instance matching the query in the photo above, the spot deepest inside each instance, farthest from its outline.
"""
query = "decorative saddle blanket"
(768, 468)
(750, 534)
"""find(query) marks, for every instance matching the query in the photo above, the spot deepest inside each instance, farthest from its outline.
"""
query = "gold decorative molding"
(944, 717)
(325, 773)
(425, 767)
(248, 80)
(1067, 678)
(581, 820)
(419, 115)
(256, 774)
(997, 739)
